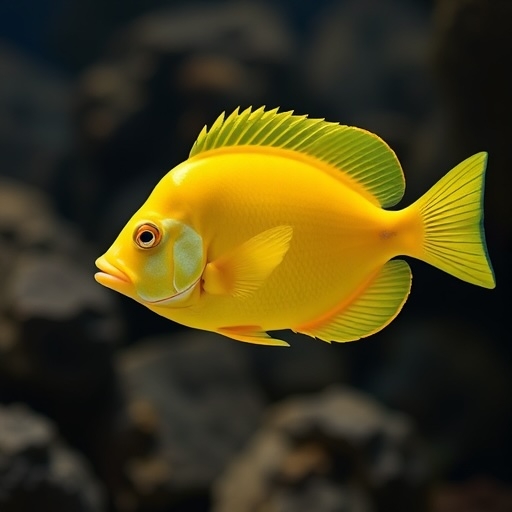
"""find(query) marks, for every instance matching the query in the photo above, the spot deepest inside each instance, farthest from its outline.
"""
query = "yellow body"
(271, 239)
(339, 238)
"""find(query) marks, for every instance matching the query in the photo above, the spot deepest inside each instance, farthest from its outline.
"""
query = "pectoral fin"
(245, 268)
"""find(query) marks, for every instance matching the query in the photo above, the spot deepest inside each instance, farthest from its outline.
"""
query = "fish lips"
(112, 277)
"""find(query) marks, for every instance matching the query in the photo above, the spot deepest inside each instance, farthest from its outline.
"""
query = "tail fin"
(452, 214)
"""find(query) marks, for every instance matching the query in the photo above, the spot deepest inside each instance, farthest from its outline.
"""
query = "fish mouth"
(184, 294)
(110, 276)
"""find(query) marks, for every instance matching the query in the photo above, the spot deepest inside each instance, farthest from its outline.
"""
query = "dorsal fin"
(363, 156)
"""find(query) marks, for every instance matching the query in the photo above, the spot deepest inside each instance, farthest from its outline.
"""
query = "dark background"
(98, 99)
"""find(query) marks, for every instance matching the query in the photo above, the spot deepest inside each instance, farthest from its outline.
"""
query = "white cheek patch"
(156, 282)
(172, 271)
(188, 258)
(157, 266)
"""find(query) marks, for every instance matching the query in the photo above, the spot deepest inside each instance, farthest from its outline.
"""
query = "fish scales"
(265, 227)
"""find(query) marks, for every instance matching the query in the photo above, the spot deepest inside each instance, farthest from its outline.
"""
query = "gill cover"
(188, 258)
(174, 266)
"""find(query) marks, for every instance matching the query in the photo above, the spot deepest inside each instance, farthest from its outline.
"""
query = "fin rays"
(362, 156)
(370, 311)
(452, 217)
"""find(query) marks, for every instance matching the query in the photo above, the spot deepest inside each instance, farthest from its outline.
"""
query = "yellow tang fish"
(276, 221)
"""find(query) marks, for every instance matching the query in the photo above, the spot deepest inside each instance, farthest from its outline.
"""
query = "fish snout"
(112, 276)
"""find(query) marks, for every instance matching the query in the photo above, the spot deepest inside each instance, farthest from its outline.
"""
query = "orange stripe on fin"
(369, 310)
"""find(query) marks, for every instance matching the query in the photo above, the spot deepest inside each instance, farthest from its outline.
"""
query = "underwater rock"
(38, 471)
(309, 366)
(368, 62)
(482, 494)
(331, 451)
(35, 103)
(57, 327)
(195, 406)
(27, 223)
(57, 331)
(448, 376)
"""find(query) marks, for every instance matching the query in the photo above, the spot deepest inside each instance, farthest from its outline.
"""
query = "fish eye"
(147, 236)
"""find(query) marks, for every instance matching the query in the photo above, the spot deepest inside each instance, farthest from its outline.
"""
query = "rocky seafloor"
(106, 407)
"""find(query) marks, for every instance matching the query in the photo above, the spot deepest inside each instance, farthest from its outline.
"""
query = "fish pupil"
(146, 237)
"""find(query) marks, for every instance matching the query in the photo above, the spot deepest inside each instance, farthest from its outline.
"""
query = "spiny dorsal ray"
(363, 156)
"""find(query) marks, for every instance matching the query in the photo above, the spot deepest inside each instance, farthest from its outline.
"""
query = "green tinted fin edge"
(453, 219)
(370, 311)
(363, 156)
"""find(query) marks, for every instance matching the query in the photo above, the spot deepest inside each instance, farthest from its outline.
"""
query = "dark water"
(124, 411)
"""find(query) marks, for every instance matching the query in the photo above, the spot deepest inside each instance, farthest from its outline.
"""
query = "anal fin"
(251, 334)
(370, 311)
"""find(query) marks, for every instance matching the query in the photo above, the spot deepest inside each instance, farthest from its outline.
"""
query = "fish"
(278, 221)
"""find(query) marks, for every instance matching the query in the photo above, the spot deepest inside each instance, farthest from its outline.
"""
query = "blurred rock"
(56, 325)
(35, 103)
(29, 225)
(481, 494)
(331, 451)
(308, 366)
(368, 62)
(38, 471)
(58, 328)
(453, 381)
(193, 399)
